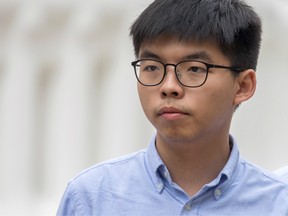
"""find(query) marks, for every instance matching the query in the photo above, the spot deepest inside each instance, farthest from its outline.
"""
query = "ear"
(246, 86)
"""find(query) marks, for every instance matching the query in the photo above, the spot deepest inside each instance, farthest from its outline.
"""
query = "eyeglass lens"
(188, 73)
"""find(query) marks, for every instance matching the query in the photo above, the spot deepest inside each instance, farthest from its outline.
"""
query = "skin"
(193, 123)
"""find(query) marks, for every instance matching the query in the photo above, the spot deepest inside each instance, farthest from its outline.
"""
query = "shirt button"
(217, 192)
(160, 186)
(165, 175)
(188, 207)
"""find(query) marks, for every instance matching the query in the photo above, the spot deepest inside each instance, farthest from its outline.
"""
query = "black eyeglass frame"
(208, 66)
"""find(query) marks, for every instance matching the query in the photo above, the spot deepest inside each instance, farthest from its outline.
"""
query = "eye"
(192, 67)
(150, 68)
(197, 69)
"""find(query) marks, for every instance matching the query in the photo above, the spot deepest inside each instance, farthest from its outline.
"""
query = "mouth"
(171, 113)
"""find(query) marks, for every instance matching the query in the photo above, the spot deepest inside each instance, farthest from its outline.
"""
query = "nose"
(170, 86)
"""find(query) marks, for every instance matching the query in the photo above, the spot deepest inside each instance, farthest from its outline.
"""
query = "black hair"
(233, 24)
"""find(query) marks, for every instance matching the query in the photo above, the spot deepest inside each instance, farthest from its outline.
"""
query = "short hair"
(233, 24)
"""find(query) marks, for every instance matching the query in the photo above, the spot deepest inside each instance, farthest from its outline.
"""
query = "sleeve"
(67, 204)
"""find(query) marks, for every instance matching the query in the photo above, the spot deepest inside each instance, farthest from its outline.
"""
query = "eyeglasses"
(189, 73)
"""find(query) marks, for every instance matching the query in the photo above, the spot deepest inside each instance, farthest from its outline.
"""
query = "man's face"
(184, 114)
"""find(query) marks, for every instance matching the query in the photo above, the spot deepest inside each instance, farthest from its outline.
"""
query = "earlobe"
(246, 86)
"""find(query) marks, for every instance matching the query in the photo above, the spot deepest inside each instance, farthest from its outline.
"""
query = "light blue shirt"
(140, 185)
(283, 173)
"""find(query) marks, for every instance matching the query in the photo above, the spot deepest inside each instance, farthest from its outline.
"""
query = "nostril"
(172, 93)
(175, 93)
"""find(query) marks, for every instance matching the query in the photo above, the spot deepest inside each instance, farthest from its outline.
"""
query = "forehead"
(167, 47)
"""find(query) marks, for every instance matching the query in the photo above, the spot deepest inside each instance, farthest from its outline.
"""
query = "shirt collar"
(221, 183)
(154, 164)
(228, 174)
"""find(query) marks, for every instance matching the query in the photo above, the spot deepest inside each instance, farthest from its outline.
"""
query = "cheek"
(217, 98)
(221, 98)
(222, 91)
(146, 98)
(142, 95)
(222, 102)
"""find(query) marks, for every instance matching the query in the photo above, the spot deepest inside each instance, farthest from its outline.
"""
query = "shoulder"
(257, 183)
(94, 183)
(109, 174)
(260, 178)
(110, 168)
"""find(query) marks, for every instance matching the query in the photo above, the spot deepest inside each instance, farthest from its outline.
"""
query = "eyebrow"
(201, 55)
(148, 54)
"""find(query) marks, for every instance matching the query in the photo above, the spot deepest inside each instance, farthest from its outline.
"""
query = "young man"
(196, 62)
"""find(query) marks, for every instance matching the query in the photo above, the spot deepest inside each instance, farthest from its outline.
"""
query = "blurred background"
(68, 95)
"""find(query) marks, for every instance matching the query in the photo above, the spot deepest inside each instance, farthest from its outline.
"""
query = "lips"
(171, 113)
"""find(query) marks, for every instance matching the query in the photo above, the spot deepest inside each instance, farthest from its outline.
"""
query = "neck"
(192, 165)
